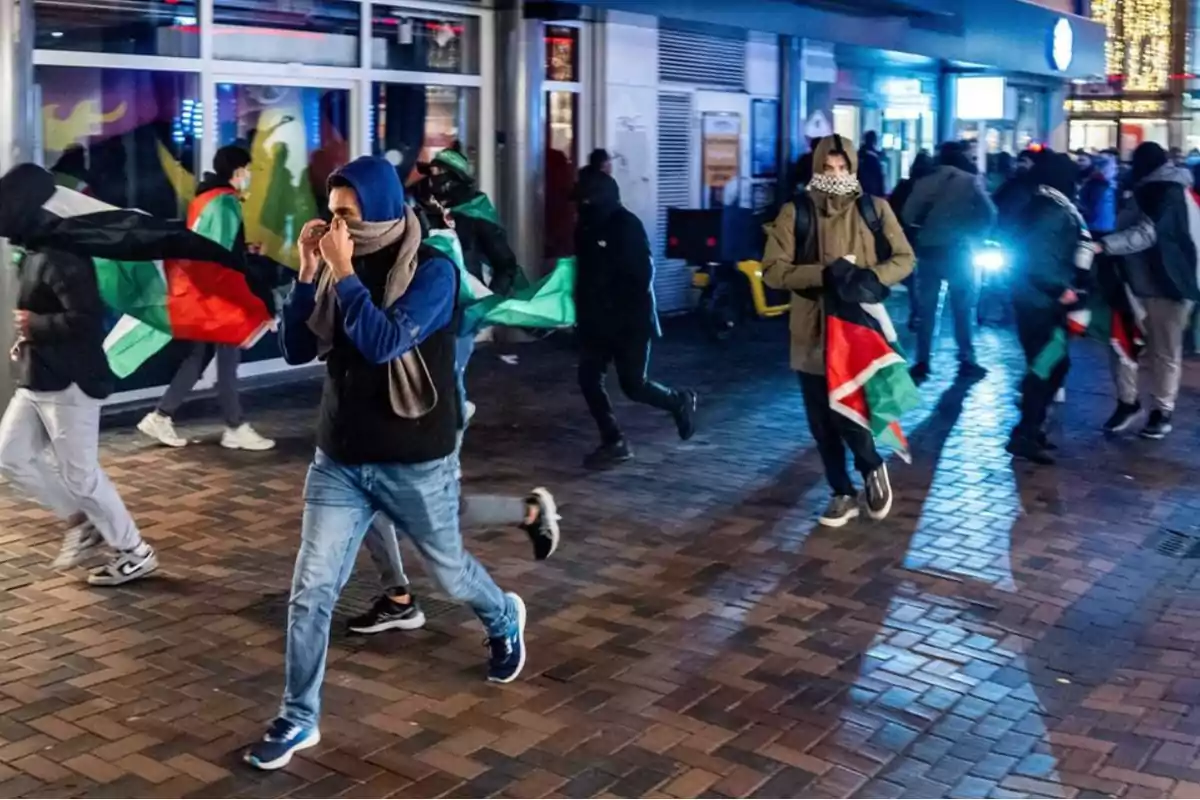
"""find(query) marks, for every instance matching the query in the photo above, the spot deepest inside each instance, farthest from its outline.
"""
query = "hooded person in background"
(951, 214)
(1055, 258)
(843, 240)
(449, 185)
(1017, 189)
(215, 213)
(1098, 196)
(616, 317)
(870, 166)
(1157, 234)
(922, 166)
(49, 436)
(600, 160)
(378, 306)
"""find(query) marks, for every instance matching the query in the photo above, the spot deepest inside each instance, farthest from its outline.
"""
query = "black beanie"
(229, 159)
(1148, 157)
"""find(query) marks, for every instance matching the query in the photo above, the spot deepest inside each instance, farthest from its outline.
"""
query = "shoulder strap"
(803, 230)
(870, 215)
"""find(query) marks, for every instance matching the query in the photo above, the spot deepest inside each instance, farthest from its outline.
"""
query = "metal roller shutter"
(673, 279)
(702, 59)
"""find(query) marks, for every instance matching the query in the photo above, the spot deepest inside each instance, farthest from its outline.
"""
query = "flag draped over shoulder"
(546, 303)
(866, 371)
(168, 282)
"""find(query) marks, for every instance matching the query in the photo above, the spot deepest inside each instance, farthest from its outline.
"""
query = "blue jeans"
(463, 349)
(339, 503)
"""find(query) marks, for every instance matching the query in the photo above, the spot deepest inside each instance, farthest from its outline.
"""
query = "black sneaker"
(841, 509)
(878, 490)
(970, 371)
(387, 615)
(1123, 418)
(608, 455)
(685, 417)
(1029, 449)
(1044, 442)
(919, 372)
(1159, 425)
(543, 531)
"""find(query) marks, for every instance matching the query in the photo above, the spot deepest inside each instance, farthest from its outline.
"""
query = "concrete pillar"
(1057, 124)
(16, 146)
(521, 121)
(946, 101)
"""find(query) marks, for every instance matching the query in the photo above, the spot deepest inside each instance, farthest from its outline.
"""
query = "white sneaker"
(243, 437)
(79, 545)
(157, 426)
(126, 566)
(469, 410)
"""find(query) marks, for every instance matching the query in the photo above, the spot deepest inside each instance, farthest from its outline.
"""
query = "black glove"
(863, 286)
(837, 273)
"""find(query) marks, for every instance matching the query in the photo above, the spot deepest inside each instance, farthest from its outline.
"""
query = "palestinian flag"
(176, 283)
(866, 371)
(1112, 315)
(548, 303)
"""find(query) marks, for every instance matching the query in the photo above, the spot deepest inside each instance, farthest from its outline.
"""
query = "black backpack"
(805, 232)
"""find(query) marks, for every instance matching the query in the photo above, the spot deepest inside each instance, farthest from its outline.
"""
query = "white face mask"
(241, 183)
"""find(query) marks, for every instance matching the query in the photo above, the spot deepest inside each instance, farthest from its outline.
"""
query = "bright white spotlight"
(990, 259)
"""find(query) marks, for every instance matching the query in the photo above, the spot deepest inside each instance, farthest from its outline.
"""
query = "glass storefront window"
(133, 27)
(562, 120)
(320, 32)
(424, 41)
(296, 138)
(127, 137)
(562, 53)
(412, 122)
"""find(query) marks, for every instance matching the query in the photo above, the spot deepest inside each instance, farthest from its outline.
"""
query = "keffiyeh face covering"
(840, 185)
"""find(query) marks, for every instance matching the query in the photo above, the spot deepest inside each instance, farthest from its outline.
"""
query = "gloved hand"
(863, 286)
(837, 273)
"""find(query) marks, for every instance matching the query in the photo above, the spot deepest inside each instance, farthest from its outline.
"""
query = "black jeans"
(1035, 328)
(833, 434)
(631, 357)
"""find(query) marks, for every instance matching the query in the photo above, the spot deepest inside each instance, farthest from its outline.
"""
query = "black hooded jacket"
(483, 241)
(66, 330)
(1055, 249)
(614, 293)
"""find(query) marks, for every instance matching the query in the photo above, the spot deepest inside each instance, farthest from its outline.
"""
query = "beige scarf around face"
(410, 385)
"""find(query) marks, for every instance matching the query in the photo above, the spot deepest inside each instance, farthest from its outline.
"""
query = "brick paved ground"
(1006, 633)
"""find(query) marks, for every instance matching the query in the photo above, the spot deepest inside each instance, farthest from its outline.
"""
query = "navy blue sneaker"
(282, 739)
(508, 652)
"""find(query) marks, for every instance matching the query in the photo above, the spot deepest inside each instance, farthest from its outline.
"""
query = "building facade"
(700, 102)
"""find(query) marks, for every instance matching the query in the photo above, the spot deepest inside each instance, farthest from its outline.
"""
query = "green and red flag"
(546, 303)
(168, 281)
(867, 374)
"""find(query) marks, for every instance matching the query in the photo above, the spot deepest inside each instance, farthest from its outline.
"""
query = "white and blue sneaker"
(508, 652)
(282, 739)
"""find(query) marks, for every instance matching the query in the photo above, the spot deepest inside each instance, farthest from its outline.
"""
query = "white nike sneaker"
(79, 545)
(126, 566)
(243, 437)
(159, 426)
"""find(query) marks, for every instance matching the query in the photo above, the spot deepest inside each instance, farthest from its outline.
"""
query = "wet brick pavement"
(1008, 632)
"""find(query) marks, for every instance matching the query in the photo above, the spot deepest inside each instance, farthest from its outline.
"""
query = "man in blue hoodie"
(377, 306)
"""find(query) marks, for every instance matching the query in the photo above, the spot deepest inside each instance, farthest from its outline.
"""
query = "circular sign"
(1062, 45)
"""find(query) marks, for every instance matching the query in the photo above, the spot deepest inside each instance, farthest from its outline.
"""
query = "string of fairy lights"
(1138, 46)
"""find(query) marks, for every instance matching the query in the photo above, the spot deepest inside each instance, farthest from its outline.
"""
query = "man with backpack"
(830, 232)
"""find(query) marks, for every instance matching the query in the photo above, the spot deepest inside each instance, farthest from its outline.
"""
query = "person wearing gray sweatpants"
(1158, 236)
(49, 436)
(396, 608)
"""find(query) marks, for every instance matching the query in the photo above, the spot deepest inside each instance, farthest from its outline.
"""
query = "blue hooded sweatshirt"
(381, 335)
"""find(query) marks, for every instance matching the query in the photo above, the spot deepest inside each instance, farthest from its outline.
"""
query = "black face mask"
(443, 184)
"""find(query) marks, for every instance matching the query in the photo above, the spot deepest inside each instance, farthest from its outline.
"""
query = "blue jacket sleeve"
(383, 335)
(296, 339)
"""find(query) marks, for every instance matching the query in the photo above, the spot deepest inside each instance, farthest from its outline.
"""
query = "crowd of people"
(380, 305)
